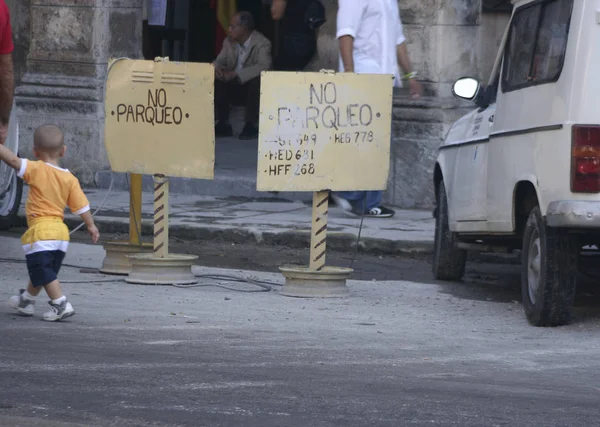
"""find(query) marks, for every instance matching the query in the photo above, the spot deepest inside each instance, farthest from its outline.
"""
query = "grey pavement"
(394, 353)
(264, 221)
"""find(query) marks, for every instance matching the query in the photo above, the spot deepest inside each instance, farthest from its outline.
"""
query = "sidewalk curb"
(300, 239)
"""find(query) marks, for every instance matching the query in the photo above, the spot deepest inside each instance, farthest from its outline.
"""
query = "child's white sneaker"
(23, 305)
(59, 311)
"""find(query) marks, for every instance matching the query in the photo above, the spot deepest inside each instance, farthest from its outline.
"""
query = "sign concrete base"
(301, 282)
(147, 269)
(116, 261)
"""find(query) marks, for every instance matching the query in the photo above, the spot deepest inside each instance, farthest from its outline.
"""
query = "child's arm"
(91, 227)
(10, 158)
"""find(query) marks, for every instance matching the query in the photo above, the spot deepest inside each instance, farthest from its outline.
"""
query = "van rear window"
(536, 45)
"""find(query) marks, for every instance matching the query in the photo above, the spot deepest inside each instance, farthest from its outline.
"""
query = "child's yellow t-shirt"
(50, 189)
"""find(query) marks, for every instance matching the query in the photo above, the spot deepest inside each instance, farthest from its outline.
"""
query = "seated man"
(245, 54)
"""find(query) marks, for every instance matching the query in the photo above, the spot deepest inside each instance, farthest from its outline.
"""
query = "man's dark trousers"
(235, 93)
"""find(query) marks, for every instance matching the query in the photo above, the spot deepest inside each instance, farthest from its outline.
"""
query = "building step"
(227, 185)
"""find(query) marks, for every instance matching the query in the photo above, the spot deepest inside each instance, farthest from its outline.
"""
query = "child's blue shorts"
(44, 266)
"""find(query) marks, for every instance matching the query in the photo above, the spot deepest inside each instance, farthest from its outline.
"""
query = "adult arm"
(416, 90)
(220, 61)
(348, 20)
(346, 47)
(7, 79)
(263, 63)
(10, 158)
(7, 84)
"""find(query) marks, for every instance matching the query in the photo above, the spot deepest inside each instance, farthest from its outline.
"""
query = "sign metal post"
(323, 132)
(159, 122)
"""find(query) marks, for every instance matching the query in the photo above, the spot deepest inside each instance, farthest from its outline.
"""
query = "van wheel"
(548, 272)
(448, 261)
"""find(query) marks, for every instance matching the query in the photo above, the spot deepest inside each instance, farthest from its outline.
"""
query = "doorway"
(189, 32)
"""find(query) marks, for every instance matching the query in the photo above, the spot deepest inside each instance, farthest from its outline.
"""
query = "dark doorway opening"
(190, 29)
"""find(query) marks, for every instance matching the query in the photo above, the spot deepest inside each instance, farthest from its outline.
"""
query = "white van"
(522, 171)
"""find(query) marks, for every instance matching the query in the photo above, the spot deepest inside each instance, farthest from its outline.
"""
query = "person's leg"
(222, 107)
(37, 263)
(373, 199)
(54, 290)
(251, 90)
(60, 308)
(43, 268)
(24, 303)
(352, 196)
(374, 207)
(348, 201)
(362, 202)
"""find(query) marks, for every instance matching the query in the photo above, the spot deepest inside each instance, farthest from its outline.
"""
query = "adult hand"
(416, 89)
(277, 9)
(229, 75)
(218, 72)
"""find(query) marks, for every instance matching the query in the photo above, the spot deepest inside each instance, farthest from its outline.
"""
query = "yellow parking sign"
(324, 131)
(160, 118)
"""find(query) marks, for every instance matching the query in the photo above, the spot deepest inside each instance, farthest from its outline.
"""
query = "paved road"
(396, 353)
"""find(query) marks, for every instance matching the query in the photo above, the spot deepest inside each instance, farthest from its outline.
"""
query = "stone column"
(442, 42)
(71, 42)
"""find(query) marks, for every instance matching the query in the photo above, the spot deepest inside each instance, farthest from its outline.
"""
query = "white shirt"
(243, 50)
(155, 11)
(377, 30)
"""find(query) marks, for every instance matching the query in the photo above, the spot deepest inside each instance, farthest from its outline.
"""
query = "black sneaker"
(223, 130)
(249, 132)
(380, 212)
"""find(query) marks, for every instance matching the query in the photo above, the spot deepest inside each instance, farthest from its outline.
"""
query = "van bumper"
(573, 214)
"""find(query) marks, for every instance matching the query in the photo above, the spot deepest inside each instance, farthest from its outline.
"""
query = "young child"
(45, 243)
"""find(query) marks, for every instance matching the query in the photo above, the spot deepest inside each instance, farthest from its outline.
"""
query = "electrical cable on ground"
(362, 218)
(264, 286)
(112, 174)
(112, 180)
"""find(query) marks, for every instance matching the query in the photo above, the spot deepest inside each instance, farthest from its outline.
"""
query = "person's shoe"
(223, 130)
(59, 311)
(342, 203)
(249, 132)
(23, 305)
(380, 212)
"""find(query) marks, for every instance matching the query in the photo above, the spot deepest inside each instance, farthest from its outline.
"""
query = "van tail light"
(585, 159)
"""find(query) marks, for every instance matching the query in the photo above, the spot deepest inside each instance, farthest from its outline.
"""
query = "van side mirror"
(466, 88)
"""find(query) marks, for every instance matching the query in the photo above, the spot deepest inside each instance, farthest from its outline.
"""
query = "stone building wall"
(21, 25)
(70, 42)
(63, 47)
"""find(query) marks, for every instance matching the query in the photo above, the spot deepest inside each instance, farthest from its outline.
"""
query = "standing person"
(371, 40)
(154, 19)
(245, 55)
(46, 240)
(7, 78)
(297, 36)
